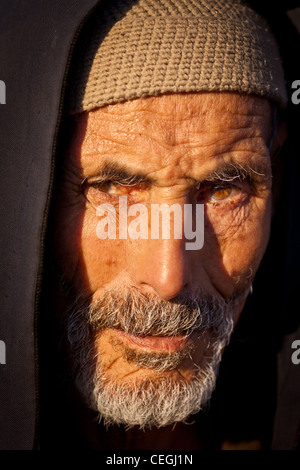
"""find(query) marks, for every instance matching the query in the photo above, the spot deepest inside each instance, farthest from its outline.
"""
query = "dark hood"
(37, 39)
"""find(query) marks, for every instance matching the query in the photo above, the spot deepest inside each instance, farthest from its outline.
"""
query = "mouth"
(163, 344)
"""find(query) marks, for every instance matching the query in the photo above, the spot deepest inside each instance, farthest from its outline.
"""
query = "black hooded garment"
(258, 390)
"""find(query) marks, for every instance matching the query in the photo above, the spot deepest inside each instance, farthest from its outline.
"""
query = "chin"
(122, 392)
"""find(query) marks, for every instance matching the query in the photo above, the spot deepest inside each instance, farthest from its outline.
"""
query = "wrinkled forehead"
(198, 104)
(181, 129)
(175, 116)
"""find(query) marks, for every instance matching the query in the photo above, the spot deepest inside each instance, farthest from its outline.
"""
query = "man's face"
(143, 301)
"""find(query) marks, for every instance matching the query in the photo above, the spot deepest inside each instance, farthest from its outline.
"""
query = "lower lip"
(158, 343)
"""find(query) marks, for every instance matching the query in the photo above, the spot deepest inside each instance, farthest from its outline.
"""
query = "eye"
(221, 192)
(108, 187)
(109, 190)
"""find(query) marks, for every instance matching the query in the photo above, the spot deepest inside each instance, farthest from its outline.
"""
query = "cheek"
(101, 261)
(85, 261)
(243, 243)
(234, 244)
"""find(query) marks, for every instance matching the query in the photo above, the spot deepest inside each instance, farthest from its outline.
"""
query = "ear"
(277, 163)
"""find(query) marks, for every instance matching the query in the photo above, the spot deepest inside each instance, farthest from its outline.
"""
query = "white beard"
(157, 401)
(154, 402)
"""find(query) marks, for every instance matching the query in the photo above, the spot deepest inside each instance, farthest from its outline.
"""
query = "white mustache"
(138, 315)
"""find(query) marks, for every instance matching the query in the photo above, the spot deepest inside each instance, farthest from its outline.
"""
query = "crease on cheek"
(247, 216)
(241, 240)
(242, 254)
(223, 224)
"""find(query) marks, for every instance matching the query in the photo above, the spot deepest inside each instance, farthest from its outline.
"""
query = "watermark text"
(296, 354)
(154, 459)
(2, 92)
(296, 94)
(2, 352)
(160, 221)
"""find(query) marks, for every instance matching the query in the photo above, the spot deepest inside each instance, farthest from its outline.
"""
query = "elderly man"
(172, 104)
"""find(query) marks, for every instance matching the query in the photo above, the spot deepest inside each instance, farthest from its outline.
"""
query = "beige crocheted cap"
(136, 48)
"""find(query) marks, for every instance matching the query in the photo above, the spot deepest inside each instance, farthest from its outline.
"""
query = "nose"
(162, 268)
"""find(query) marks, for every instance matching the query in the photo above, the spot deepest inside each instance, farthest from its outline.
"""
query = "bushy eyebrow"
(255, 172)
(120, 174)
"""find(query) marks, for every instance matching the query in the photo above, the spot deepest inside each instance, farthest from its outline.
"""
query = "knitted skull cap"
(136, 48)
